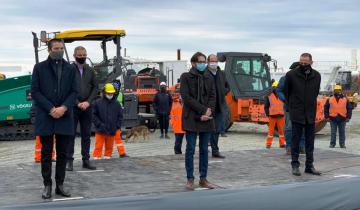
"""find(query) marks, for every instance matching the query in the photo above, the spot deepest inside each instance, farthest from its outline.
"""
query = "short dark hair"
(52, 41)
(306, 55)
(195, 57)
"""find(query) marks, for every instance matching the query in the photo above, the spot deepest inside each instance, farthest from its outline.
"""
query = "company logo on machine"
(12, 106)
(19, 106)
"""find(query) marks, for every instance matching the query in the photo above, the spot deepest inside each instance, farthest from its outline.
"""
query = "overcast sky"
(328, 29)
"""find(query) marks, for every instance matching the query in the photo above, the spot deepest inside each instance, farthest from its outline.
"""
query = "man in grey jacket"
(82, 110)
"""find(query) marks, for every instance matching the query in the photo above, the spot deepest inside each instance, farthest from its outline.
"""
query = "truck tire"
(320, 125)
(227, 119)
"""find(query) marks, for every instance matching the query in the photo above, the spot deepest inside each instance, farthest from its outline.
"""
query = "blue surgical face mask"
(201, 66)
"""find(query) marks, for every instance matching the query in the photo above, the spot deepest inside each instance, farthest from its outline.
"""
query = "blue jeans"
(288, 133)
(190, 151)
(334, 124)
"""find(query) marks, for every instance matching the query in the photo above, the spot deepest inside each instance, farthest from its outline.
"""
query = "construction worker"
(118, 142)
(107, 118)
(118, 95)
(37, 153)
(338, 111)
(274, 109)
(162, 106)
(175, 122)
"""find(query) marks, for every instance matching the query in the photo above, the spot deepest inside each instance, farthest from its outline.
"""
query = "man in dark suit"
(82, 110)
(221, 89)
(54, 90)
(301, 88)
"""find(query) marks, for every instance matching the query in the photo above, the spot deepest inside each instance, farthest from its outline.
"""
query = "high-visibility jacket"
(120, 98)
(276, 105)
(175, 117)
(337, 107)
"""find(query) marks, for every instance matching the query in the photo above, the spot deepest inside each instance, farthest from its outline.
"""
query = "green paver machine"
(15, 106)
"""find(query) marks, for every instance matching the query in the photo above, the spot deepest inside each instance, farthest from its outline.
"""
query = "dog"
(136, 132)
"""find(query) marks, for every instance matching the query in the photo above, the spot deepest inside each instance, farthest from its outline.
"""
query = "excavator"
(248, 75)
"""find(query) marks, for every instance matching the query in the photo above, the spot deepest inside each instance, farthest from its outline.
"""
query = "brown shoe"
(190, 184)
(204, 183)
(268, 146)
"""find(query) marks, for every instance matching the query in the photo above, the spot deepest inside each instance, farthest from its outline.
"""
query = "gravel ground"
(241, 136)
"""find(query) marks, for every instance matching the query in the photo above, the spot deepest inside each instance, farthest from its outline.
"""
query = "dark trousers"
(214, 139)
(178, 142)
(335, 124)
(203, 153)
(164, 123)
(297, 130)
(46, 150)
(288, 133)
(84, 119)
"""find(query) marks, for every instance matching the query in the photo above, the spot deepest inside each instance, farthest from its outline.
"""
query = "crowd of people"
(65, 95)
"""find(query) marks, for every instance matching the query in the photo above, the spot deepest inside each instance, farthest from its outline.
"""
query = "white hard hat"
(162, 84)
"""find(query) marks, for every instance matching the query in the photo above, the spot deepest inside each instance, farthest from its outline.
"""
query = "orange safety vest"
(276, 105)
(337, 107)
(175, 117)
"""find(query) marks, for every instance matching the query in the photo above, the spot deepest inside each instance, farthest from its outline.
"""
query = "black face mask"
(337, 95)
(80, 60)
(306, 68)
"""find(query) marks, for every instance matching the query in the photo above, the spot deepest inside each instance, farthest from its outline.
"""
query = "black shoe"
(69, 165)
(59, 190)
(332, 146)
(223, 135)
(88, 165)
(178, 152)
(218, 155)
(166, 136)
(124, 156)
(296, 171)
(312, 171)
(46, 192)
(342, 146)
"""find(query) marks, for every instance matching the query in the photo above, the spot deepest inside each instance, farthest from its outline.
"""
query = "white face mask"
(109, 96)
(213, 65)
